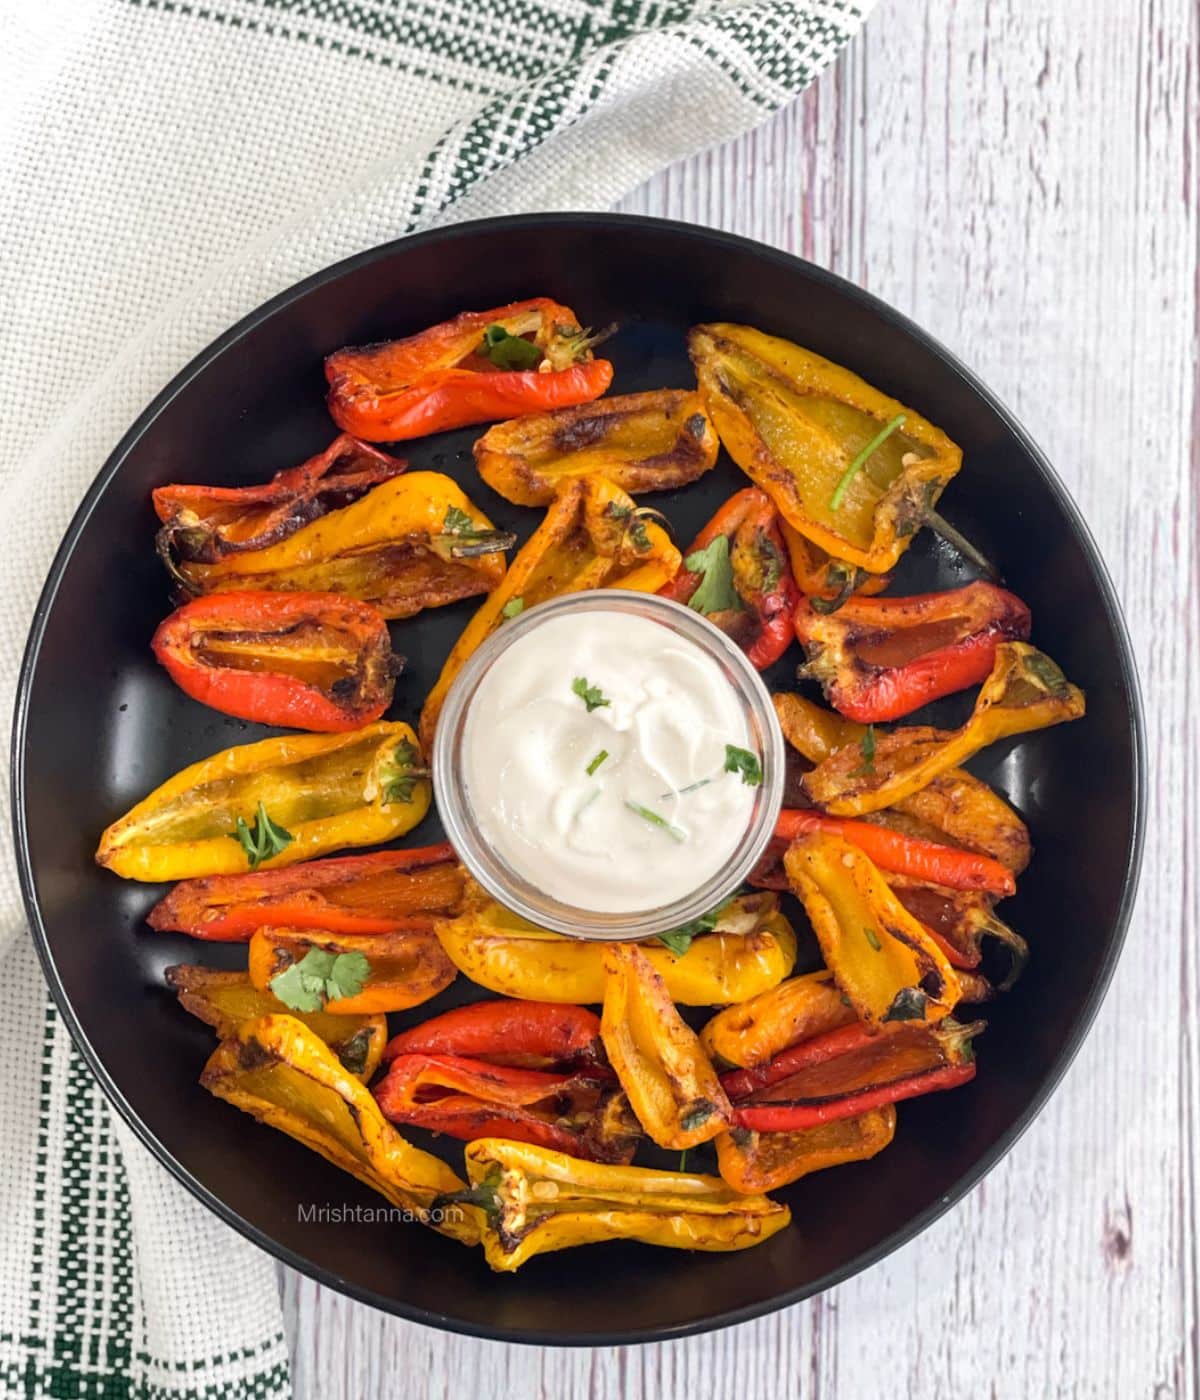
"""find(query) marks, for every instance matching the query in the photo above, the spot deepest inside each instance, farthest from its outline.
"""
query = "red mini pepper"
(479, 367)
(738, 574)
(879, 659)
(850, 1070)
(375, 893)
(202, 524)
(316, 661)
(467, 1098)
(535, 1034)
(895, 852)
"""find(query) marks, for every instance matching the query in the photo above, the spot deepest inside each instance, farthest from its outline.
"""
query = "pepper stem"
(960, 542)
(1015, 946)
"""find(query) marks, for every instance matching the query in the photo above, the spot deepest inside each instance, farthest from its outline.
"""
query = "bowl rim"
(520, 895)
(719, 241)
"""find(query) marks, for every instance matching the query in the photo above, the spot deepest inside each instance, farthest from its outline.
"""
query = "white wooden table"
(1020, 176)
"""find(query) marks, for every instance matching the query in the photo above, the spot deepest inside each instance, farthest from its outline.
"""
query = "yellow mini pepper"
(852, 470)
(530, 1200)
(274, 803)
(753, 1161)
(670, 1082)
(755, 1031)
(752, 948)
(281, 1073)
(884, 961)
(593, 536)
(416, 541)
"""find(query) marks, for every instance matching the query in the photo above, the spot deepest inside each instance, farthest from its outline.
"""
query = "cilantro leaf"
(591, 695)
(508, 351)
(744, 762)
(263, 840)
(320, 977)
(715, 592)
(679, 940)
(700, 1112)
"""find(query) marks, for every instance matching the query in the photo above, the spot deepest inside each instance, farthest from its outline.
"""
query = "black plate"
(98, 725)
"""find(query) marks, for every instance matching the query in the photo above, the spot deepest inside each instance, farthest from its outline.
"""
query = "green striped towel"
(167, 165)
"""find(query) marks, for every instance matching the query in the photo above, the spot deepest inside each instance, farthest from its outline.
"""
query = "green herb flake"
(715, 591)
(400, 775)
(353, 1052)
(320, 977)
(263, 840)
(596, 762)
(457, 522)
(655, 819)
(507, 351)
(513, 608)
(700, 1112)
(744, 762)
(839, 491)
(591, 695)
(873, 939)
(679, 940)
(866, 746)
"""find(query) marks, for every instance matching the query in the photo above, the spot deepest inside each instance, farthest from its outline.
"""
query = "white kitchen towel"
(167, 165)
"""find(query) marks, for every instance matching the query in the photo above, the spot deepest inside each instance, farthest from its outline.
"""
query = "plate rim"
(718, 239)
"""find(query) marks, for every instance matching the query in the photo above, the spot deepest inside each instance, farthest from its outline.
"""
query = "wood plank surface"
(1020, 176)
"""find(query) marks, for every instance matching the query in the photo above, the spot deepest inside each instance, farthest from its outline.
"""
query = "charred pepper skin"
(374, 893)
(438, 379)
(851, 1071)
(465, 1097)
(315, 661)
(201, 524)
(879, 659)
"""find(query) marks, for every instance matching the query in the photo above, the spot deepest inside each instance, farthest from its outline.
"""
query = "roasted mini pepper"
(273, 803)
(532, 1034)
(880, 659)
(751, 948)
(415, 542)
(281, 1073)
(313, 661)
(344, 894)
(1025, 691)
(851, 1071)
(755, 1031)
(671, 1084)
(593, 536)
(640, 442)
(895, 851)
(737, 574)
(955, 809)
(464, 1097)
(851, 469)
(202, 524)
(528, 1200)
(478, 367)
(962, 920)
(885, 962)
(825, 581)
(224, 1000)
(403, 968)
(751, 1161)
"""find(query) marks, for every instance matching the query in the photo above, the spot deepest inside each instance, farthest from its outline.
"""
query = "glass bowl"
(512, 889)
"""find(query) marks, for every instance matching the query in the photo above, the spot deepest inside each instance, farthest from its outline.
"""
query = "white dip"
(629, 836)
